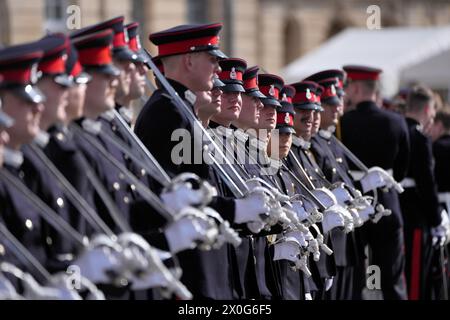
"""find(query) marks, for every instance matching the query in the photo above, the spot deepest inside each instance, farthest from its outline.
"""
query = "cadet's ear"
(188, 61)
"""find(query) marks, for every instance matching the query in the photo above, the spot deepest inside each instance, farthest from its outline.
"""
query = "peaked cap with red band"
(133, 41)
(74, 67)
(120, 41)
(270, 85)
(250, 78)
(53, 62)
(327, 74)
(232, 74)
(188, 38)
(18, 71)
(285, 115)
(307, 95)
(94, 52)
(357, 73)
(330, 95)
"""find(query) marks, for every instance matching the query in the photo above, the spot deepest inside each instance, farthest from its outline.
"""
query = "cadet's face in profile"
(75, 105)
(231, 106)
(330, 115)
(55, 103)
(202, 68)
(100, 93)
(137, 85)
(316, 122)
(26, 116)
(267, 118)
(303, 121)
(126, 70)
(250, 113)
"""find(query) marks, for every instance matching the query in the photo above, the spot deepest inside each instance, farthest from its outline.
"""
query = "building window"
(197, 11)
(55, 15)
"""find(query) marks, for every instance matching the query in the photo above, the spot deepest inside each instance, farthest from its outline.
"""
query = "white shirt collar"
(42, 139)
(11, 157)
(300, 142)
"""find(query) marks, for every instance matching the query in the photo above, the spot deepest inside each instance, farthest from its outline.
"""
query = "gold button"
(2, 250)
(133, 187)
(60, 202)
(49, 241)
(121, 176)
(116, 186)
(339, 160)
(60, 136)
(334, 170)
(29, 224)
(126, 199)
(143, 172)
(113, 128)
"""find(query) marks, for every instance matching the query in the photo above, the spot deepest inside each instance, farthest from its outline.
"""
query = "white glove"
(287, 249)
(445, 222)
(342, 195)
(34, 291)
(184, 233)
(299, 236)
(328, 283)
(301, 212)
(182, 196)
(325, 196)
(7, 290)
(332, 218)
(251, 208)
(357, 220)
(439, 235)
(375, 178)
(99, 262)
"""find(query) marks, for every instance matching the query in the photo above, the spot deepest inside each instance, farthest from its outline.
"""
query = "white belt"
(357, 175)
(408, 183)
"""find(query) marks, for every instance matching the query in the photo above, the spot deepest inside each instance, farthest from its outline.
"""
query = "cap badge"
(233, 73)
(34, 74)
(308, 94)
(272, 90)
(284, 98)
(287, 119)
(333, 90)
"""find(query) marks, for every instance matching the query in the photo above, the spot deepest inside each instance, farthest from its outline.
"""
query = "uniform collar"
(108, 115)
(326, 134)
(42, 139)
(91, 126)
(183, 91)
(299, 142)
(126, 113)
(414, 123)
(13, 158)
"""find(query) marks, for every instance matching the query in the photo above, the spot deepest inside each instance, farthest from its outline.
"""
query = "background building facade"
(270, 33)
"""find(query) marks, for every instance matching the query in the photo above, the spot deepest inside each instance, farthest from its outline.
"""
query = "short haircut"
(443, 116)
(418, 98)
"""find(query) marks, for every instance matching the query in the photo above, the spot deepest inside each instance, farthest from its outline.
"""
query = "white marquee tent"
(405, 54)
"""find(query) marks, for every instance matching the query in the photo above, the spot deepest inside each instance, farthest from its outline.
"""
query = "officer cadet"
(189, 56)
(339, 76)
(441, 150)
(379, 138)
(208, 103)
(294, 285)
(22, 101)
(419, 202)
(332, 161)
(305, 101)
(138, 74)
(231, 74)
